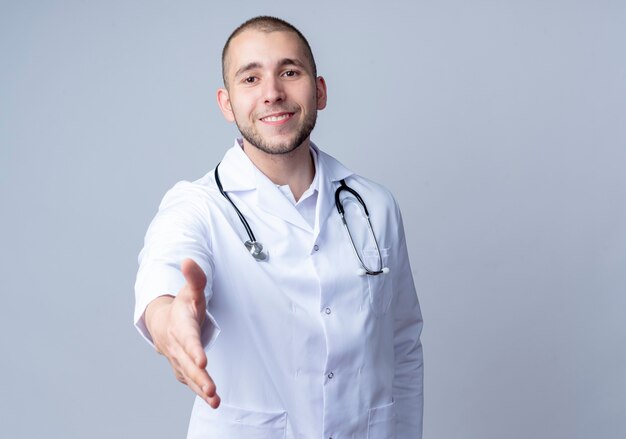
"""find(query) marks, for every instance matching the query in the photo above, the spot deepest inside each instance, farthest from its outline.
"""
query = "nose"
(274, 91)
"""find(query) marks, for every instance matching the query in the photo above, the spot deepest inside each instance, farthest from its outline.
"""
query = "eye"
(290, 73)
(250, 80)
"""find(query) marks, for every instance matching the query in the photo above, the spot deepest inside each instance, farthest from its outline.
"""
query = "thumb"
(195, 277)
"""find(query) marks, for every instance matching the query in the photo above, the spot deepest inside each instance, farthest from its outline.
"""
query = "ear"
(322, 96)
(223, 100)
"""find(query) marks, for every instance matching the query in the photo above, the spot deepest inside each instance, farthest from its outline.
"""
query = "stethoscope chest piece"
(254, 247)
(256, 250)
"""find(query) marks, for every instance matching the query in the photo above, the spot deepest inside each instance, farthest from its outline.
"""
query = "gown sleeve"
(177, 232)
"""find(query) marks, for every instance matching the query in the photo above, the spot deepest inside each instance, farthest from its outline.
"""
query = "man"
(315, 332)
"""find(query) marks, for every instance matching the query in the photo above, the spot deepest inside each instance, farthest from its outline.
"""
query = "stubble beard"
(255, 139)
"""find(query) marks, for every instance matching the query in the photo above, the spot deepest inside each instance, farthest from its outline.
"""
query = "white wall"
(500, 127)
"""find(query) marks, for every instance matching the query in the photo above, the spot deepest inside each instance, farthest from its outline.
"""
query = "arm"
(409, 364)
(171, 298)
(175, 323)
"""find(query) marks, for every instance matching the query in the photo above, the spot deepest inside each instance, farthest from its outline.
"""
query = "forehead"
(264, 48)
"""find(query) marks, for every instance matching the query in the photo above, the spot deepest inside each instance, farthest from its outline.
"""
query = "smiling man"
(278, 285)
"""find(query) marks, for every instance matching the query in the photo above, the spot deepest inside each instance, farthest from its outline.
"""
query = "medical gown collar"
(237, 172)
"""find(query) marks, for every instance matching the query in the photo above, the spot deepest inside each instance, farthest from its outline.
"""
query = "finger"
(197, 378)
(198, 375)
(177, 370)
(213, 401)
(188, 338)
(195, 277)
(193, 370)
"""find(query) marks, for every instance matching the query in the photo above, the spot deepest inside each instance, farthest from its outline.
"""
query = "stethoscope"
(256, 248)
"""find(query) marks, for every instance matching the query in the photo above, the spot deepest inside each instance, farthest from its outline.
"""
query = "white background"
(499, 125)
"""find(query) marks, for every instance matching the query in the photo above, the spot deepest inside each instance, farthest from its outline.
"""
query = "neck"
(295, 168)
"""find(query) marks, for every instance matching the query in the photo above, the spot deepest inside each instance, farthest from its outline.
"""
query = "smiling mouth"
(277, 118)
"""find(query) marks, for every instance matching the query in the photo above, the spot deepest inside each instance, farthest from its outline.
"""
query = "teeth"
(276, 118)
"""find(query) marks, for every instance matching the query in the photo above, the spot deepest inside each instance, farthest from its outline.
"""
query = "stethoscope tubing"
(365, 269)
(239, 214)
(256, 248)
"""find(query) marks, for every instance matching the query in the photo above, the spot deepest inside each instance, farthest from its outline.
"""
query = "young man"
(315, 332)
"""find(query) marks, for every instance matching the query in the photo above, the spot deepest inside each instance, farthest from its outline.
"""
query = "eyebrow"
(283, 62)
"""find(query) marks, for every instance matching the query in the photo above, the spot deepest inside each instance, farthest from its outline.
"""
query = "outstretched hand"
(175, 323)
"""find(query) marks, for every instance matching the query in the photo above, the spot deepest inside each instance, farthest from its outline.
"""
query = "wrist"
(154, 312)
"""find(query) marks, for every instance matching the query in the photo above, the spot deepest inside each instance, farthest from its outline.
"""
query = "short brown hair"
(265, 23)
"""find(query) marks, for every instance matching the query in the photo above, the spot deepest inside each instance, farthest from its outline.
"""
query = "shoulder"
(190, 193)
(376, 193)
(188, 208)
(335, 171)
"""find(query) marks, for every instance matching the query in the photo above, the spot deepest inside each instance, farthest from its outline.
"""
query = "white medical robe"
(300, 345)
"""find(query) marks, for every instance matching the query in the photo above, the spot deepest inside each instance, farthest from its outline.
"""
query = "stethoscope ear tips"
(385, 270)
(361, 272)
